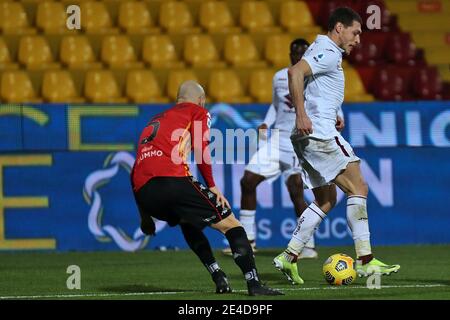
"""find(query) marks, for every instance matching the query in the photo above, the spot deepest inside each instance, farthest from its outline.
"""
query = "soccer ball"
(339, 269)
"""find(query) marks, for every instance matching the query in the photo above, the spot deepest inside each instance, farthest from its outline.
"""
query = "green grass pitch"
(424, 274)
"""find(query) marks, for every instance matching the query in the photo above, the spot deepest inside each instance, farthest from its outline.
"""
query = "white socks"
(306, 225)
(311, 244)
(359, 225)
(247, 218)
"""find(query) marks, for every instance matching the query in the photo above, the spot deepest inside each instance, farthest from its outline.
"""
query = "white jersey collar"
(322, 37)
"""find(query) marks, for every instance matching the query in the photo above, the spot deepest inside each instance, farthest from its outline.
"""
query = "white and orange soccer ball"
(339, 269)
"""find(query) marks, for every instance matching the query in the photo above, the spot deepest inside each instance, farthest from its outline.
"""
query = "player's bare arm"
(296, 75)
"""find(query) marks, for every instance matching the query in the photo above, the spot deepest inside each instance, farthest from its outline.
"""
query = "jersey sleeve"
(321, 61)
(200, 142)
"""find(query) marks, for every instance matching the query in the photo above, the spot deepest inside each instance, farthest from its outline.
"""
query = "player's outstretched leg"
(309, 221)
(198, 242)
(243, 255)
(294, 185)
(353, 184)
(247, 214)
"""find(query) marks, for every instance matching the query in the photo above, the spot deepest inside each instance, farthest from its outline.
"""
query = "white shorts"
(322, 160)
(270, 162)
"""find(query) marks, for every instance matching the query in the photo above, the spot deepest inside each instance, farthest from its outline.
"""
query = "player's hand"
(303, 125)
(262, 131)
(220, 197)
(340, 123)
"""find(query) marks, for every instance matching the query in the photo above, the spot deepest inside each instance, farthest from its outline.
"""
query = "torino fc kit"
(324, 153)
(277, 156)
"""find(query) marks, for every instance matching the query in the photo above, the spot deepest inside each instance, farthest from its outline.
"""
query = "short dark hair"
(344, 15)
(298, 43)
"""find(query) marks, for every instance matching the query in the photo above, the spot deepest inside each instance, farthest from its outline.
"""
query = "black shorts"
(180, 200)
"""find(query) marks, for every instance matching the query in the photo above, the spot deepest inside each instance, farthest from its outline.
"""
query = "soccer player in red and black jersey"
(165, 189)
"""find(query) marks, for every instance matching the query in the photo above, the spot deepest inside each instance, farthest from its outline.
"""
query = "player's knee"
(226, 224)
(326, 204)
(361, 189)
(248, 184)
(365, 188)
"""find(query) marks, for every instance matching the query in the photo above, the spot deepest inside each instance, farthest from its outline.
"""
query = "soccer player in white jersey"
(270, 164)
(316, 84)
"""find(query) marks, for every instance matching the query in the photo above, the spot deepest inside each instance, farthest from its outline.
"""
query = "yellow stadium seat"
(117, 52)
(13, 19)
(16, 87)
(101, 87)
(437, 22)
(241, 51)
(255, 16)
(261, 85)
(159, 51)
(200, 51)
(95, 18)
(438, 55)
(296, 17)
(35, 53)
(176, 78)
(216, 17)
(175, 17)
(277, 49)
(142, 87)
(427, 39)
(51, 17)
(77, 53)
(6, 62)
(225, 86)
(134, 17)
(58, 87)
(354, 88)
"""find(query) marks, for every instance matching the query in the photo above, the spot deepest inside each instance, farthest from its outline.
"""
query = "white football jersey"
(284, 108)
(324, 90)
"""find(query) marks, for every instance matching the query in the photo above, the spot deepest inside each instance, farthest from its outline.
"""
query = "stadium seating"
(35, 53)
(134, 17)
(200, 51)
(16, 87)
(77, 53)
(101, 87)
(6, 62)
(261, 85)
(354, 88)
(295, 17)
(14, 19)
(427, 84)
(176, 77)
(277, 50)
(241, 51)
(255, 16)
(143, 87)
(51, 17)
(175, 17)
(58, 86)
(95, 18)
(159, 51)
(216, 17)
(401, 50)
(117, 52)
(225, 86)
(250, 38)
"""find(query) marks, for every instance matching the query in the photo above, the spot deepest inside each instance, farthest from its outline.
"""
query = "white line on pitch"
(184, 292)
